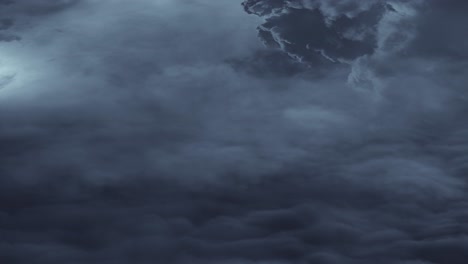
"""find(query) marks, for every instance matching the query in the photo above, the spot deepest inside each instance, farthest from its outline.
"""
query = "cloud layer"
(370, 36)
(134, 135)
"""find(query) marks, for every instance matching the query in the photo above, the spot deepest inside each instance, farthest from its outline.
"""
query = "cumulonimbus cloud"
(351, 32)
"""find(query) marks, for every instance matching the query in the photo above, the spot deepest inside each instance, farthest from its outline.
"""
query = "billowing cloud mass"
(166, 132)
(370, 36)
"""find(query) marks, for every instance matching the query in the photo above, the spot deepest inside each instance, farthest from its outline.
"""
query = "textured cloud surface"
(165, 132)
(367, 35)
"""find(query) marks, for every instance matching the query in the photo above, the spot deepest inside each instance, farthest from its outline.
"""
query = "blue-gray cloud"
(131, 135)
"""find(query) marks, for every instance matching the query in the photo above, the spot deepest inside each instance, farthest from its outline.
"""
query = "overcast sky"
(233, 132)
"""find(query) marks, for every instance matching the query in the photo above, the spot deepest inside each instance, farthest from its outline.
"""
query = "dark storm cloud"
(14, 11)
(375, 37)
(440, 31)
(317, 30)
(141, 136)
(5, 24)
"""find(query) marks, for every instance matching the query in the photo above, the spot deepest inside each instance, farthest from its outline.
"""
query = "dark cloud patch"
(312, 35)
(14, 10)
(439, 31)
(5, 23)
(375, 37)
(39, 7)
(6, 2)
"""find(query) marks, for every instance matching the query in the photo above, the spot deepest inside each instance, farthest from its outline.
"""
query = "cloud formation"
(131, 135)
(366, 35)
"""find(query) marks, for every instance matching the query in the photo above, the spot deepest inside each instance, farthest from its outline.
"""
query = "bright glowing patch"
(20, 69)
